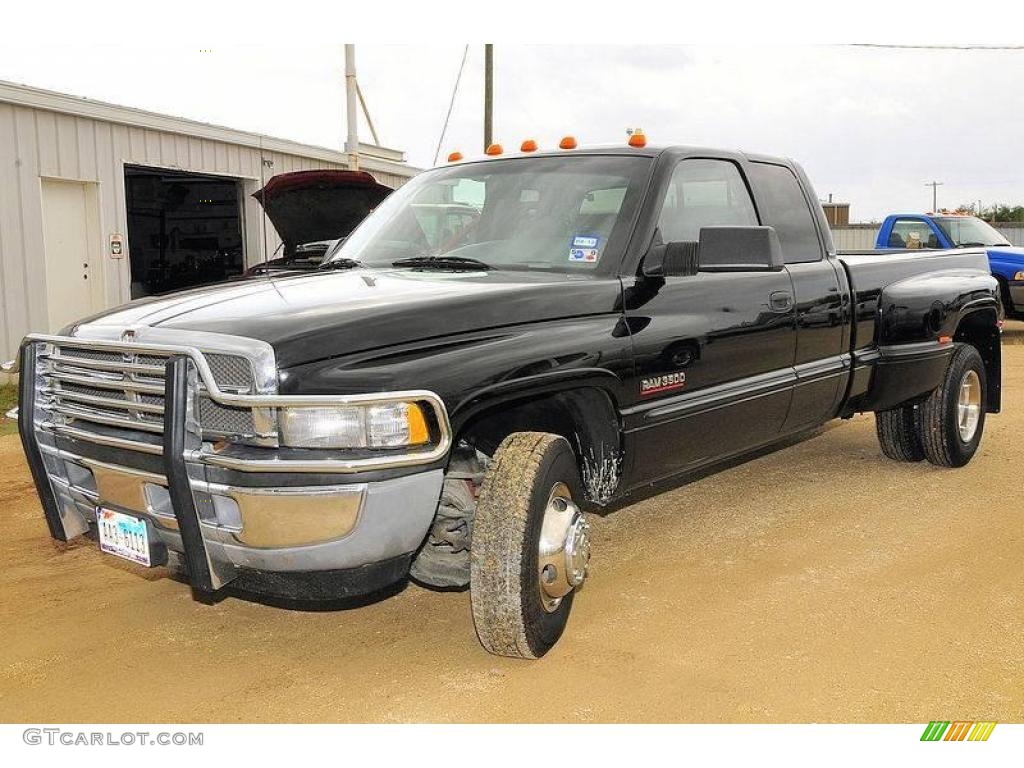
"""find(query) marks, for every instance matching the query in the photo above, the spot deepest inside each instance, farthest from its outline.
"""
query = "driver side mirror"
(720, 249)
(675, 259)
(740, 249)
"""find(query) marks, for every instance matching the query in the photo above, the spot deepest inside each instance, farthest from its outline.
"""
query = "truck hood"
(319, 205)
(1011, 253)
(317, 316)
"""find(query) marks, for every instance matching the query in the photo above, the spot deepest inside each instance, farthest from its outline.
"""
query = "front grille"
(88, 387)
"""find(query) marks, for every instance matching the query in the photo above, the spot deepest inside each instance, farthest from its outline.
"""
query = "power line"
(939, 47)
(451, 104)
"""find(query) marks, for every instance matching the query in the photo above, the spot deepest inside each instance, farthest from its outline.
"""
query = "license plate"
(124, 536)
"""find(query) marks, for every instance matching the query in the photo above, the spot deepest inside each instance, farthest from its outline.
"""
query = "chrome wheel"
(564, 550)
(968, 406)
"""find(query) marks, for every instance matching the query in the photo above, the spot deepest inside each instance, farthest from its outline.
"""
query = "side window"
(785, 208)
(912, 233)
(704, 193)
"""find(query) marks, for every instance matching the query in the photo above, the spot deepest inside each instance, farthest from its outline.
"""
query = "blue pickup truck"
(945, 230)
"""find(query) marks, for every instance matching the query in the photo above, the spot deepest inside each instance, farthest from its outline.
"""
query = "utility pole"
(488, 94)
(935, 194)
(351, 113)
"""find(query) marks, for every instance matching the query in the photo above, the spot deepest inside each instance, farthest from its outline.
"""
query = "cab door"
(714, 351)
(822, 360)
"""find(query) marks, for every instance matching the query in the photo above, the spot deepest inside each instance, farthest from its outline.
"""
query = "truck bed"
(870, 271)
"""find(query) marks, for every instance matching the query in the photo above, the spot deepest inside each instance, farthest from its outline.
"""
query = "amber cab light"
(454, 157)
(569, 142)
(637, 139)
(528, 146)
(494, 149)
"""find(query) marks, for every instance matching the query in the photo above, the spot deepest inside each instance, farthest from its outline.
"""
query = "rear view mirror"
(740, 249)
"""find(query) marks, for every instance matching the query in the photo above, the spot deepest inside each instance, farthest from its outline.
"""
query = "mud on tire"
(505, 588)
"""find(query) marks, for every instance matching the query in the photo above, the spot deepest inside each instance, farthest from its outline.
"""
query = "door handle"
(780, 301)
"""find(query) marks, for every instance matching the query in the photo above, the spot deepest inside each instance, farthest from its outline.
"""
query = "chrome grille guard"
(208, 384)
(182, 448)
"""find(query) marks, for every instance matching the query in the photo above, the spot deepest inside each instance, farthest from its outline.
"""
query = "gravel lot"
(816, 583)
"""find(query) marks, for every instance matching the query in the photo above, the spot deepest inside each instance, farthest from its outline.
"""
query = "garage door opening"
(184, 229)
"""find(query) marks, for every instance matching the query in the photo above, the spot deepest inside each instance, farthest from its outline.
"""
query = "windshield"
(967, 230)
(565, 214)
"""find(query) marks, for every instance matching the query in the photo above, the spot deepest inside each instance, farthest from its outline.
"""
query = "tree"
(998, 212)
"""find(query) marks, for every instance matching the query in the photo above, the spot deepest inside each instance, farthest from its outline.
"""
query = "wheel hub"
(968, 407)
(564, 550)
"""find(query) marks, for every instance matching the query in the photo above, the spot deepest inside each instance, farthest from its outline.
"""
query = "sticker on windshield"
(585, 248)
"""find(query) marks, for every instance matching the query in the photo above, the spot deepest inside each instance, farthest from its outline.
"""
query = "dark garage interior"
(184, 229)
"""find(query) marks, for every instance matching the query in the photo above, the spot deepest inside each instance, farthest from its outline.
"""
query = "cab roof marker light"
(637, 138)
(494, 149)
(528, 146)
(454, 157)
(567, 142)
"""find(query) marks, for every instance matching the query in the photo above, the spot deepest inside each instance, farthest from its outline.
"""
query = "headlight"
(386, 425)
(1019, 276)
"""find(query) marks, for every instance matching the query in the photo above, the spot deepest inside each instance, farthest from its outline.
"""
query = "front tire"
(530, 546)
(952, 418)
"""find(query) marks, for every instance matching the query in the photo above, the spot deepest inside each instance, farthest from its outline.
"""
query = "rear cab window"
(785, 208)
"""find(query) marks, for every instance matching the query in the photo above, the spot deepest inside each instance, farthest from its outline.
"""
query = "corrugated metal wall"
(38, 143)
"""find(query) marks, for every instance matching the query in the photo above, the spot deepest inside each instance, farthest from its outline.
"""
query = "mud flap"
(182, 437)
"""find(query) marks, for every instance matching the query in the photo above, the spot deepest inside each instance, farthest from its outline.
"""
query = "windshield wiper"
(441, 262)
(340, 264)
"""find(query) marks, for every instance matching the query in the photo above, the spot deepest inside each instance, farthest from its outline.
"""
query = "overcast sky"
(870, 126)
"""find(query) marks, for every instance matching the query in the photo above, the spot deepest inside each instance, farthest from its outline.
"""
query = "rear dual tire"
(945, 427)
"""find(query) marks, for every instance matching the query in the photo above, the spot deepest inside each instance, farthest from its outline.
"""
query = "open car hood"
(319, 205)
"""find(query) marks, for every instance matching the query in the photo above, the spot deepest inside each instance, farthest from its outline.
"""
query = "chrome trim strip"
(100, 383)
(918, 349)
(104, 440)
(104, 402)
(103, 365)
(343, 466)
(152, 477)
(84, 414)
(667, 409)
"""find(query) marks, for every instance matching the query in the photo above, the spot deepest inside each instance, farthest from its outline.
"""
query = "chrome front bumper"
(271, 522)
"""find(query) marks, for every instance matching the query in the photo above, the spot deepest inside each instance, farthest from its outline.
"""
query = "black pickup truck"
(450, 402)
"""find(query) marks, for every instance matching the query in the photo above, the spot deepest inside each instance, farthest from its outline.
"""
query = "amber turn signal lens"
(454, 157)
(637, 139)
(528, 146)
(494, 149)
(418, 431)
(569, 142)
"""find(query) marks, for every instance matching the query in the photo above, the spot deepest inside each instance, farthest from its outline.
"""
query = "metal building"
(82, 180)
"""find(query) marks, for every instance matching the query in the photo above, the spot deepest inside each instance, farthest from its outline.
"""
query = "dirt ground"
(816, 583)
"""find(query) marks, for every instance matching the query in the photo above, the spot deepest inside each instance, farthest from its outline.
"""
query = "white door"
(72, 248)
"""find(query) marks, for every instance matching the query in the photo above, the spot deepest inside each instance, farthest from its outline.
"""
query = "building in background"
(101, 203)
(837, 214)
